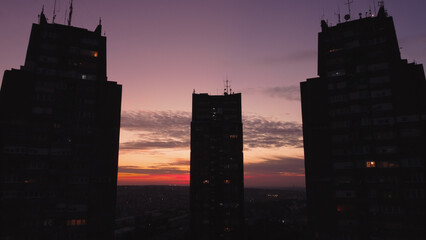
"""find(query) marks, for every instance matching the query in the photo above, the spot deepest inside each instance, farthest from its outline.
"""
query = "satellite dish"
(347, 17)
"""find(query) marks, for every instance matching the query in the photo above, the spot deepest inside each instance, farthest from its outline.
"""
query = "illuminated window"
(227, 181)
(335, 50)
(76, 222)
(233, 136)
(227, 229)
(94, 54)
(371, 164)
(206, 181)
(88, 76)
(28, 180)
(336, 73)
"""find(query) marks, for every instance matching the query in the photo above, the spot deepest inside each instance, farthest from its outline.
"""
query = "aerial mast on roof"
(227, 89)
(338, 14)
(374, 6)
(348, 16)
(54, 12)
(70, 16)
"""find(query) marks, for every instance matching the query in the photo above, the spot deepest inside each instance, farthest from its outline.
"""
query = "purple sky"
(160, 50)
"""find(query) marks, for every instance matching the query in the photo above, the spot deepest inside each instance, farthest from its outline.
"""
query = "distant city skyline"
(160, 50)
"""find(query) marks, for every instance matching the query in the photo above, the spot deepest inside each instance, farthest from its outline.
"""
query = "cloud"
(291, 93)
(161, 121)
(171, 130)
(144, 144)
(177, 162)
(153, 170)
(156, 129)
(265, 133)
(277, 165)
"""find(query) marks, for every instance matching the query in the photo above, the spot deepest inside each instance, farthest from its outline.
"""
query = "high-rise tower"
(217, 187)
(364, 122)
(59, 123)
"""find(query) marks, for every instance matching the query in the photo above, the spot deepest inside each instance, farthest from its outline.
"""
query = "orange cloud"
(152, 179)
(252, 180)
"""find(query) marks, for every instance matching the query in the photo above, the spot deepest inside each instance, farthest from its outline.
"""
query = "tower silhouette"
(216, 185)
(59, 123)
(364, 135)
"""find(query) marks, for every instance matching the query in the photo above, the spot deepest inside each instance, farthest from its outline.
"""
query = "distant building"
(364, 122)
(216, 186)
(59, 133)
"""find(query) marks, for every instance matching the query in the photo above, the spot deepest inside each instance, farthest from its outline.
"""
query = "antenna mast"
(374, 6)
(70, 16)
(54, 12)
(338, 14)
(227, 89)
(348, 16)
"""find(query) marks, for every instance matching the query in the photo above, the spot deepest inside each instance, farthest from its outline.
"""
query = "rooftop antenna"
(227, 89)
(369, 10)
(338, 14)
(54, 12)
(375, 10)
(348, 16)
(70, 16)
(42, 12)
(65, 16)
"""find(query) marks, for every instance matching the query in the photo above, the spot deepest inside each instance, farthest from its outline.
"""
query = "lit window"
(227, 181)
(335, 50)
(227, 229)
(76, 222)
(94, 54)
(233, 136)
(206, 181)
(371, 164)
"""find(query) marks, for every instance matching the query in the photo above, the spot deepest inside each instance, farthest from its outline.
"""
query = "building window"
(76, 222)
(94, 54)
(233, 136)
(370, 164)
(336, 73)
(335, 50)
(206, 181)
(227, 181)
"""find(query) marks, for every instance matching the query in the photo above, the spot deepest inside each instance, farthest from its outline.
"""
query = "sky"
(163, 50)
